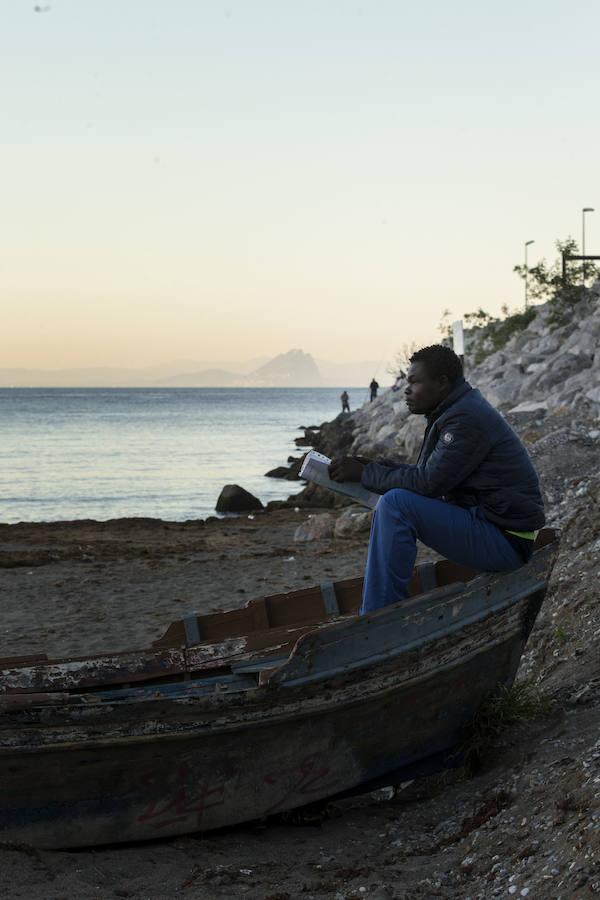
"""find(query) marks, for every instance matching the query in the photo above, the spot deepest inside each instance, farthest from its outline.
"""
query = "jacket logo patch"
(447, 438)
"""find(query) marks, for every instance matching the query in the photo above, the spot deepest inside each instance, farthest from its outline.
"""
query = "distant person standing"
(373, 387)
(345, 401)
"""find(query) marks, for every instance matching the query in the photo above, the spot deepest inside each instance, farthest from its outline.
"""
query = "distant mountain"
(292, 369)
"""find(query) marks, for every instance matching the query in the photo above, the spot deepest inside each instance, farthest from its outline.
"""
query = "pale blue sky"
(229, 180)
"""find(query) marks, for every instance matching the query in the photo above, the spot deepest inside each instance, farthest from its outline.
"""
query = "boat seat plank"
(191, 625)
(295, 608)
(329, 598)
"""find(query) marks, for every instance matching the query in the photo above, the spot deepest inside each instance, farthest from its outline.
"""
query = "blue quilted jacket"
(472, 457)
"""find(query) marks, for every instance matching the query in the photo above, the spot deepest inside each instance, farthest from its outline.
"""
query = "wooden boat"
(234, 716)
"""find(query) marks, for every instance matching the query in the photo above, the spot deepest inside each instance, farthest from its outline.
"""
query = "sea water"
(104, 453)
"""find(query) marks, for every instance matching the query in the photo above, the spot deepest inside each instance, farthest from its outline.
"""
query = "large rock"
(548, 345)
(410, 437)
(386, 436)
(582, 342)
(353, 522)
(290, 473)
(562, 367)
(316, 528)
(234, 498)
(278, 472)
(594, 394)
(531, 406)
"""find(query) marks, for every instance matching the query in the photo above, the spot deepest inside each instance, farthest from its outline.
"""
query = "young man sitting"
(473, 494)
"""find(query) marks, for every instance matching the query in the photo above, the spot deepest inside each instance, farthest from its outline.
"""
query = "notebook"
(315, 468)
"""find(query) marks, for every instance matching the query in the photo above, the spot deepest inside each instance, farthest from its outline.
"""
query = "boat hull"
(365, 697)
(146, 787)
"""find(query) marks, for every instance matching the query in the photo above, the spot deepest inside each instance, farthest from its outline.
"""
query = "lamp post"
(585, 210)
(527, 243)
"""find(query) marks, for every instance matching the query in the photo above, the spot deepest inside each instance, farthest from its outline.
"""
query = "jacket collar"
(459, 390)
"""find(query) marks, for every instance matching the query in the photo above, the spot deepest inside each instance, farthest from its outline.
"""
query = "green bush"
(489, 334)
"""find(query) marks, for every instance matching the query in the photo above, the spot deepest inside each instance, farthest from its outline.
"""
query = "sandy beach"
(92, 586)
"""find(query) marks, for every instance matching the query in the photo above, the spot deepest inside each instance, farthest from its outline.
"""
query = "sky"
(226, 180)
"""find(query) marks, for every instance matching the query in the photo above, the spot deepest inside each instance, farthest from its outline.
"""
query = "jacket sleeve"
(460, 448)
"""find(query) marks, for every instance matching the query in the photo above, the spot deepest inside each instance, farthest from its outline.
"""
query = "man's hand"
(346, 468)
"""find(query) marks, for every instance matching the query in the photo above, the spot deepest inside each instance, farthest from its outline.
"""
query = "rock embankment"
(549, 368)
(529, 824)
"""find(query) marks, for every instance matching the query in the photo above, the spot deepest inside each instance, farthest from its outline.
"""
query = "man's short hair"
(439, 360)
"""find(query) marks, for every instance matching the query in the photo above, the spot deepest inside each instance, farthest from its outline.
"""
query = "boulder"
(316, 528)
(400, 409)
(548, 345)
(278, 472)
(531, 406)
(290, 473)
(594, 394)
(529, 359)
(354, 521)
(309, 439)
(410, 436)
(504, 392)
(386, 435)
(234, 498)
(562, 367)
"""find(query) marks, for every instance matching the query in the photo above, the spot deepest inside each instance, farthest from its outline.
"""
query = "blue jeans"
(461, 535)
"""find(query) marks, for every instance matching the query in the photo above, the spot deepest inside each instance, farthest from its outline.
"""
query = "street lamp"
(527, 243)
(585, 210)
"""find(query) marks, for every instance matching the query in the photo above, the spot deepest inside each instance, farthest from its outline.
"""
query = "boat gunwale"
(291, 709)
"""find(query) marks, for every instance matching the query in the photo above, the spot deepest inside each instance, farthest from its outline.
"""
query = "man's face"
(423, 393)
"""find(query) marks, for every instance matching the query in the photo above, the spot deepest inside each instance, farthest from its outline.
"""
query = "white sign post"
(458, 339)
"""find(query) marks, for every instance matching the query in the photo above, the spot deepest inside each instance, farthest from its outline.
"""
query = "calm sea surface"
(102, 453)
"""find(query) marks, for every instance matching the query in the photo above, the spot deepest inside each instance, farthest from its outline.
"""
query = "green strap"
(528, 535)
